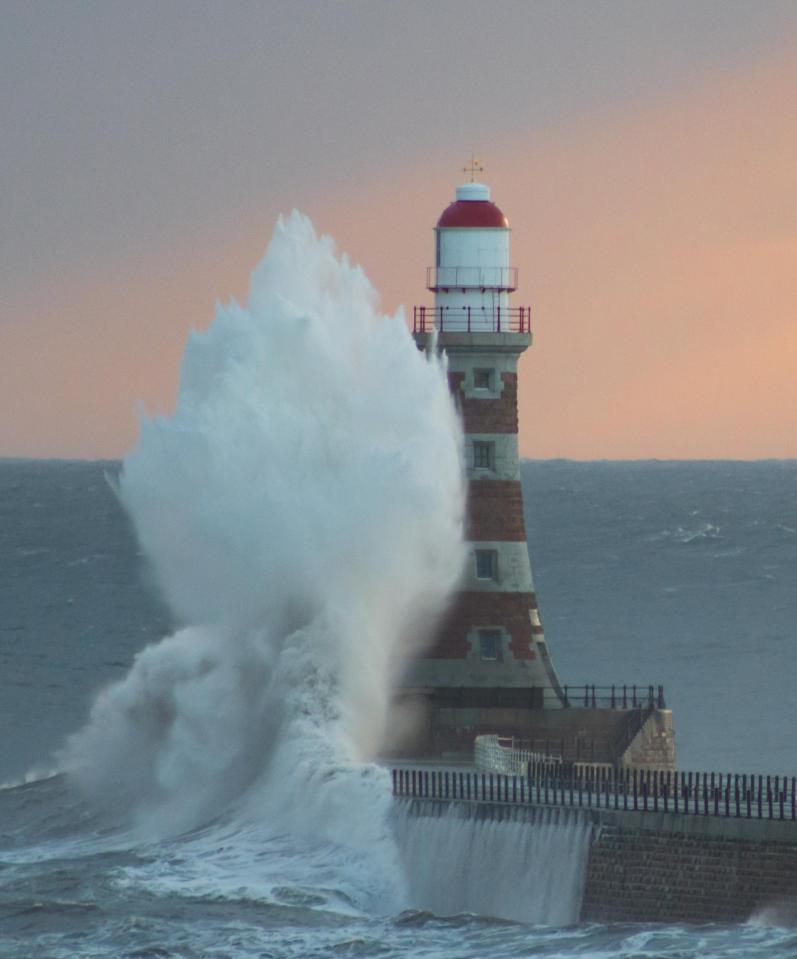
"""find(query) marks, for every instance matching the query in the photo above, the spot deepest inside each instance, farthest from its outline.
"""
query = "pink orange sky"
(656, 238)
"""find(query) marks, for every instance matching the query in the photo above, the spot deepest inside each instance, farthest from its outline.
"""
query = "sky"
(643, 151)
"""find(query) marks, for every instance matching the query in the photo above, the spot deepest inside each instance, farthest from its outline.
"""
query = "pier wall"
(652, 867)
(646, 866)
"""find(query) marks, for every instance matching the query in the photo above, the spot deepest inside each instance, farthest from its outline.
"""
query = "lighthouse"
(489, 664)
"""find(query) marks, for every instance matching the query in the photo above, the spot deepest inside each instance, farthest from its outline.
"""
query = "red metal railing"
(516, 319)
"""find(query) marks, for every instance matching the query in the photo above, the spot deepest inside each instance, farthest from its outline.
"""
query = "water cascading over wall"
(521, 863)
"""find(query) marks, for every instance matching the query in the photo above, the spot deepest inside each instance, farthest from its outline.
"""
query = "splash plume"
(302, 510)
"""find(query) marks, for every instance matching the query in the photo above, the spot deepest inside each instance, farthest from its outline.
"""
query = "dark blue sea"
(675, 573)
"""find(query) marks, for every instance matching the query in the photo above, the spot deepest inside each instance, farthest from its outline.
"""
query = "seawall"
(664, 867)
(657, 867)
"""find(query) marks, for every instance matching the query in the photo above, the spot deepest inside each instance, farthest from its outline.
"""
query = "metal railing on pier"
(729, 795)
(538, 697)
(614, 697)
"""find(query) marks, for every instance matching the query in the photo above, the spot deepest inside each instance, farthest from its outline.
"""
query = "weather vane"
(474, 168)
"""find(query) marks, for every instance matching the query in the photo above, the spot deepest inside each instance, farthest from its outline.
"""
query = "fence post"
(769, 795)
(760, 797)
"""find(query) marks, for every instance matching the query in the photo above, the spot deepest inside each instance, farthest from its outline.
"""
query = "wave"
(302, 510)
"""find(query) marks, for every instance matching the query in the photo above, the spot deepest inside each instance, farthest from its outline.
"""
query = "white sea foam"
(34, 775)
(302, 510)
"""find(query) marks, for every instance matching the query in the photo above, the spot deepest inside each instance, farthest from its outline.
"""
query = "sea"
(682, 574)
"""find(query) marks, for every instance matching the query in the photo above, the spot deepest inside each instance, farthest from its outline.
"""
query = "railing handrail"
(631, 726)
(589, 696)
(728, 795)
(625, 696)
(471, 319)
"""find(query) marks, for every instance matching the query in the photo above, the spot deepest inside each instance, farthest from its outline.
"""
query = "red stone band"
(487, 415)
(495, 511)
(474, 610)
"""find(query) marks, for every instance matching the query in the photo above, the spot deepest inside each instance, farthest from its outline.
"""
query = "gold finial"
(474, 168)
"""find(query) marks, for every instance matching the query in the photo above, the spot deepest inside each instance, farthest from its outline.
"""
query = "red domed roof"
(473, 213)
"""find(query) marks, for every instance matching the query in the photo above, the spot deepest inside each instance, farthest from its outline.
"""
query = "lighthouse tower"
(489, 661)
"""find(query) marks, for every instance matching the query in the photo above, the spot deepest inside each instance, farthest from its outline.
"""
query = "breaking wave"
(302, 510)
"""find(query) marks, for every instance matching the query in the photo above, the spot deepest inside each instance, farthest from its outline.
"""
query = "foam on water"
(302, 510)
(526, 865)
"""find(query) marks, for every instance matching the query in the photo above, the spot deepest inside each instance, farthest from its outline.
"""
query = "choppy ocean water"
(683, 574)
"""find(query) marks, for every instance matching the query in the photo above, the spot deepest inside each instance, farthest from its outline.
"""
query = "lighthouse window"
(482, 379)
(486, 563)
(490, 644)
(483, 455)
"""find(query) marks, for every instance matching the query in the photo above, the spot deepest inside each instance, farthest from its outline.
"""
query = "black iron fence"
(693, 793)
(539, 697)
(614, 697)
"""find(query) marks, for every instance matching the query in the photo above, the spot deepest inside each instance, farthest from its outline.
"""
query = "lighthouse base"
(444, 723)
